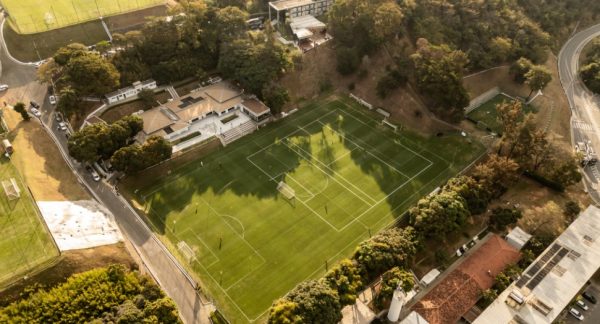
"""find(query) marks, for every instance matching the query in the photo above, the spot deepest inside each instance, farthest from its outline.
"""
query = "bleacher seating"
(236, 133)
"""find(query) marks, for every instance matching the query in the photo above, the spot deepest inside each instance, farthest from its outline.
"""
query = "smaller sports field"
(487, 116)
(280, 206)
(34, 16)
(25, 244)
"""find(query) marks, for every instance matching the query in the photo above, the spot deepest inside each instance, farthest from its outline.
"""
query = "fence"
(481, 99)
(362, 102)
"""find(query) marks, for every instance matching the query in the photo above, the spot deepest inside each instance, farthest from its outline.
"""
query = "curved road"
(585, 106)
(156, 258)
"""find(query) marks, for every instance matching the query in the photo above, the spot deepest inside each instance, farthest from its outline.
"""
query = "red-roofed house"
(460, 289)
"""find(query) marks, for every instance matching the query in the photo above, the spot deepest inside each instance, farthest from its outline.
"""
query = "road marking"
(595, 172)
(583, 126)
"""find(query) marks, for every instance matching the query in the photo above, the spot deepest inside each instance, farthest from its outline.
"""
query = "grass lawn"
(248, 244)
(25, 243)
(34, 16)
(488, 115)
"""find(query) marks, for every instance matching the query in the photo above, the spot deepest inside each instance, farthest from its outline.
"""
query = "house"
(280, 10)
(517, 237)
(219, 109)
(130, 91)
(458, 291)
(552, 280)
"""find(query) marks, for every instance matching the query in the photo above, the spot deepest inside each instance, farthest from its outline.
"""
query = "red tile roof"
(461, 289)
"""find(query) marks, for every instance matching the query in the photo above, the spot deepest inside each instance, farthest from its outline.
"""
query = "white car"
(576, 314)
(52, 100)
(3, 87)
(582, 305)
(36, 112)
(62, 126)
(95, 175)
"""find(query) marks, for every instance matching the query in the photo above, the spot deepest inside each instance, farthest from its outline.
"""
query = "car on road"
(34, 104)
(36, 112)
(582, 305)
(62, 126)
(57, 117)
(93, 173)
(589, 297)
(576, 314)
(52, 100)
(3, 87)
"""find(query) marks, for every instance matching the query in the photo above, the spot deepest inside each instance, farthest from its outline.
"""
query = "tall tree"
(90, 74)
(310, 302)
(68, 102)
(346, 280)
(20, 108)
(439, 72)
(439, 214)
(537, 78)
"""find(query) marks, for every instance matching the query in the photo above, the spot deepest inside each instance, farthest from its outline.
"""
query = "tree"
(391, 280)
(84, 145)
(387, 249)
(502, 217)
(509, 115)
(275, 97)
(103, 46)
(105, 293)
(20, 108)
(439, 71)
(572, 209)
(68, 102)
(496, 174)
(387, 21)
(501, 48)
(475, 195)
(590, 74)
(156, 149)
(439, 214)
(519, 68)
(119, 39)
(147, 97)
(347, 60)
(537, 78)
(90, 73)
(310, 302)
(566, 171)
(64, 54)
(129, 159)
(346, 280)
(488, 296)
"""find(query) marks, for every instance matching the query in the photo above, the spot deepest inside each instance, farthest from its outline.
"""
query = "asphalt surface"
(592, 315)
(156, 258)
(585, 106)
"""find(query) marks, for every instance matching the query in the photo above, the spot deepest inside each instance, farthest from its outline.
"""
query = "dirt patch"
(39, 161)
(134, 19)
(117, 112)
(85, 108)
(69, 263)
(481, 82)
(318, 71)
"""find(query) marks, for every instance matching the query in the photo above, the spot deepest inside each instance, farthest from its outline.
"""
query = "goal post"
(286, 190)
(11, 189)
(186, 251)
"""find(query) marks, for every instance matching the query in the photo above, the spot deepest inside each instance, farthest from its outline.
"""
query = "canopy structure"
(303, 27)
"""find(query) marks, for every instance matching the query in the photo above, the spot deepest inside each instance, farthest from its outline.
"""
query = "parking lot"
(592, 315)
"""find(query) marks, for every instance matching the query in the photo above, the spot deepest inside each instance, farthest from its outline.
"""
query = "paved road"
(160, 263)
(585, 120)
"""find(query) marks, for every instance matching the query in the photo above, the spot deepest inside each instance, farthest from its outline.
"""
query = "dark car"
(34, 104)
(589, 297)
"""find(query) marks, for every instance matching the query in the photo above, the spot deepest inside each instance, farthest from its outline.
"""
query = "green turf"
(34, 16)
(488, 115)
(351, 177)
(25, 243)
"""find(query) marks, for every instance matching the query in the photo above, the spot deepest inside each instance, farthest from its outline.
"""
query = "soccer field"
(24, 243)
(34, 16)
(488, 115)
(350, 176)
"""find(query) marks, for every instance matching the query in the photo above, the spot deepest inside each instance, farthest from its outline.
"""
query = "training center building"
(281, 10)
(131, 91)
(219, 109)
(553, 280)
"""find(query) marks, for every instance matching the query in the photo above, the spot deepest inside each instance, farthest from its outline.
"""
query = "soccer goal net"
(286, 190)
(11, 189)
(186, 251)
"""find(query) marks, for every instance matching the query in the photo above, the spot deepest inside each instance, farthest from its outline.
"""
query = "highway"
(172, 278)
(585, 106)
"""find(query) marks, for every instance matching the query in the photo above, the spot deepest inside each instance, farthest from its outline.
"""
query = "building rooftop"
(216, 97)
(289, 4)
(517, 237)
(459, 291)
(548, 285)
(256, 106)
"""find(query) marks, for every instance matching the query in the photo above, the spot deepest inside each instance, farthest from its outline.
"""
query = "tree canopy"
(310, 302)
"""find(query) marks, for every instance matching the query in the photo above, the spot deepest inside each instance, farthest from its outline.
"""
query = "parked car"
(582, 305)
(589, 297)
(3, 87)
(34, 104)
(57, 117)
(52, 100)
(576, 314)
(94, 174)
(36, 112)
(62, 126)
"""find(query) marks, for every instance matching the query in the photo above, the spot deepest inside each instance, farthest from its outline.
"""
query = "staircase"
(236, 133)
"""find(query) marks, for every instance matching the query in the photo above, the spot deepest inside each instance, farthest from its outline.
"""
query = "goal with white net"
(186, 251)
(11, 189)
(286, 190)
